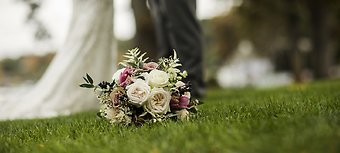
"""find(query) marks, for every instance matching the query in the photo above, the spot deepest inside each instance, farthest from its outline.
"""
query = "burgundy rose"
(179, 103)
(183, 102)
(127, 81)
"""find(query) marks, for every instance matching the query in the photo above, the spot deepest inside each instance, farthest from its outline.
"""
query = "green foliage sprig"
(134, 58)
(171, 62)
(89, 82)
(170, 65)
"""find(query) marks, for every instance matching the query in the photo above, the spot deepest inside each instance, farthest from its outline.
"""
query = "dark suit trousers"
(177, 28)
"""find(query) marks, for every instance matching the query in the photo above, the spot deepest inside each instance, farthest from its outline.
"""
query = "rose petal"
(183, 102)
(150, 66)
(124, 78)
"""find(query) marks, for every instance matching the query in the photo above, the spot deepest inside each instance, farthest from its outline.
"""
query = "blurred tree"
(2, 76)
(41, 32)
(10, 69)
(279, 26)
(10, 66)
(293, 35)
(29, 67)
(320, 33)
(227, 36)
(145, 37)
(221, 38)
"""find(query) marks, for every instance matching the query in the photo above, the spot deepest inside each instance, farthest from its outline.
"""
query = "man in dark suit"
(177, 27)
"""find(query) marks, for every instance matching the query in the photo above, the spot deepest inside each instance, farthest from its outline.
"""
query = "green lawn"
(303, 118)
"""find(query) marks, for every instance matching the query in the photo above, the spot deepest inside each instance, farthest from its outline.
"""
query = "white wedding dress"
(89, 48)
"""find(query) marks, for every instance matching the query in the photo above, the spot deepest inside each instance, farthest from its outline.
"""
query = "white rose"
(146, 76)
(158, 102)
(117, 74)
(158, 78)
(138, 92)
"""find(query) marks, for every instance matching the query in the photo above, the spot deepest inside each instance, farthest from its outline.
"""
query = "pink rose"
(125, 77)
(150, 66)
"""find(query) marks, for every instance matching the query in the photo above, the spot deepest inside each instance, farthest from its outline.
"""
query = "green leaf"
(143, 114)
(175, 54)
(134, 58)
(87, 85)
(89, 78)
(123, 64)
(177, 65)
(86, 80)
(144, 60)
(127, 56)
(99, 114)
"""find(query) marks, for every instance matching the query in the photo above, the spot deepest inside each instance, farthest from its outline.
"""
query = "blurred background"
(248, 43)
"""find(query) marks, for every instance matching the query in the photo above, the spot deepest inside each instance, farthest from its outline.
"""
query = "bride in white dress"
(89, 48)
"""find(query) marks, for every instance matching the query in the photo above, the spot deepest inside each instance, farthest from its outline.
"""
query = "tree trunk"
(322, 58)
(296, 61)
(87, 49)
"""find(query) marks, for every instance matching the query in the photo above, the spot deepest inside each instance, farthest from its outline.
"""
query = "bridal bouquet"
(144, 91)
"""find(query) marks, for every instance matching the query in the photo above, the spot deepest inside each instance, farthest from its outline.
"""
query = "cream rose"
(138, 92)
(158, 101)
(182, 114)
(115, 115)
(158, 78)
(117, 74)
